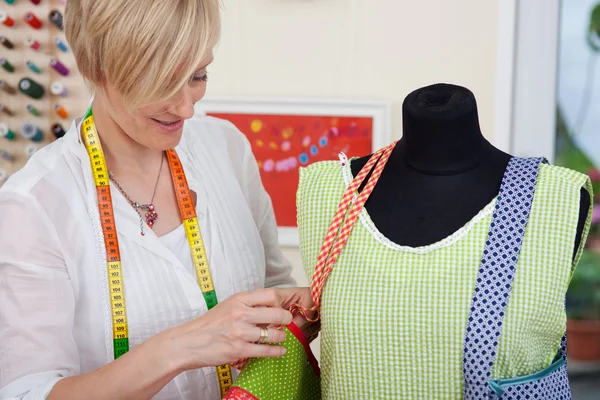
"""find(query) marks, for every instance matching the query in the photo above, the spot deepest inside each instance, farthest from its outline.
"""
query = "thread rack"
(41, 91)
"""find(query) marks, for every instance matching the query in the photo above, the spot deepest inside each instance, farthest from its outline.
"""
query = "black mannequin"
(441, 173)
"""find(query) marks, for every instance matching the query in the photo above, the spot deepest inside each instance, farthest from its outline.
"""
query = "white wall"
(357, 49)
(536, 53)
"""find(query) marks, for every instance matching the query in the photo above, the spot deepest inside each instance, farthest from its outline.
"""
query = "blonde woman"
(89, 314)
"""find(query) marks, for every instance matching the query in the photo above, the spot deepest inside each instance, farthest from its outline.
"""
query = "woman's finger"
(299, 295)
(264, 351)
(273, 335)
(263, 297)
(300, 320)
(269, 316)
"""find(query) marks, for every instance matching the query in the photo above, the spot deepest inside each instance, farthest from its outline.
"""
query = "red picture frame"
(288, 134)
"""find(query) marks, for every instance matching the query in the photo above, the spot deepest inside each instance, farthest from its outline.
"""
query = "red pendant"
(151, 216)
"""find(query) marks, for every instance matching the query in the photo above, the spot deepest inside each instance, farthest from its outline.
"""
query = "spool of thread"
(4, 108)
(31, 42)
(32, 66)
(58, 89)
(10, 1)
(7, 88)
(36, 2)
(31, 88)
(7, 65)
(32, 132)
(59, 67)
(56, 18)
(60, 111)
(6, 43)
(6, 20)
(33, 110)
(30, 149)
(61, 44)
(32, 20)
(6, 155)
(58, 130)
(6, 133)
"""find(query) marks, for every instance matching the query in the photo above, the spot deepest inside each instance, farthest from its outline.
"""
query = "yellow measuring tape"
(113, 256)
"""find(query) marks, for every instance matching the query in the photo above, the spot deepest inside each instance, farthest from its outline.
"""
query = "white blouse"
(55, 316)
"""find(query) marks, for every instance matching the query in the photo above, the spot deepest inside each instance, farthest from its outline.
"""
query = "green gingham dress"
(394, 317)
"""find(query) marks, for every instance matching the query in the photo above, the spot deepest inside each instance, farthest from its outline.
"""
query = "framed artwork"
(286, 134)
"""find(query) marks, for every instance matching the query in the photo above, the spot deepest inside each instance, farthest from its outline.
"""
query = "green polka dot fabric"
(293, 376)
(393, 318)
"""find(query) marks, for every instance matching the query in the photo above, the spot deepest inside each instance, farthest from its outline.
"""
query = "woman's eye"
(201, 78)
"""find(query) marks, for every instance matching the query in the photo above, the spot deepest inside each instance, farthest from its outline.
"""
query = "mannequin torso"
(443, 171)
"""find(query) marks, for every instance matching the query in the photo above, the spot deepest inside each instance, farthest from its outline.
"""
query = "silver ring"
(264, 336)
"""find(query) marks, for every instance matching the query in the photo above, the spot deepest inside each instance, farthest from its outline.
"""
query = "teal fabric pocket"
(551, 383)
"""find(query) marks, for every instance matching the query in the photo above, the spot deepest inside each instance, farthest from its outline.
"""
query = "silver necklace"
(151, 214)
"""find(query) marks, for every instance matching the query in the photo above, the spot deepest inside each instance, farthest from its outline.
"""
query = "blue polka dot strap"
(495, 277)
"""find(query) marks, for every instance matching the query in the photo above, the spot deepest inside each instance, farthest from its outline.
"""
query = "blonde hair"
(146, 49)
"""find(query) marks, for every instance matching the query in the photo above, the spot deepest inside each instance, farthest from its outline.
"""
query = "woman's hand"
(303, 298)
(224, 334)
(230, 331)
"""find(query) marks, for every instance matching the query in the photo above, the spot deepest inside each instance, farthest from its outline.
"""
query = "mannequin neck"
(441, 133)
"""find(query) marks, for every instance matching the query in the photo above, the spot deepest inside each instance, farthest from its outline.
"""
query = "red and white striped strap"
(341, 226)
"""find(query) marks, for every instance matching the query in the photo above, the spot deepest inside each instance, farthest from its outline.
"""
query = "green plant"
(594, 29)
(583, 296)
